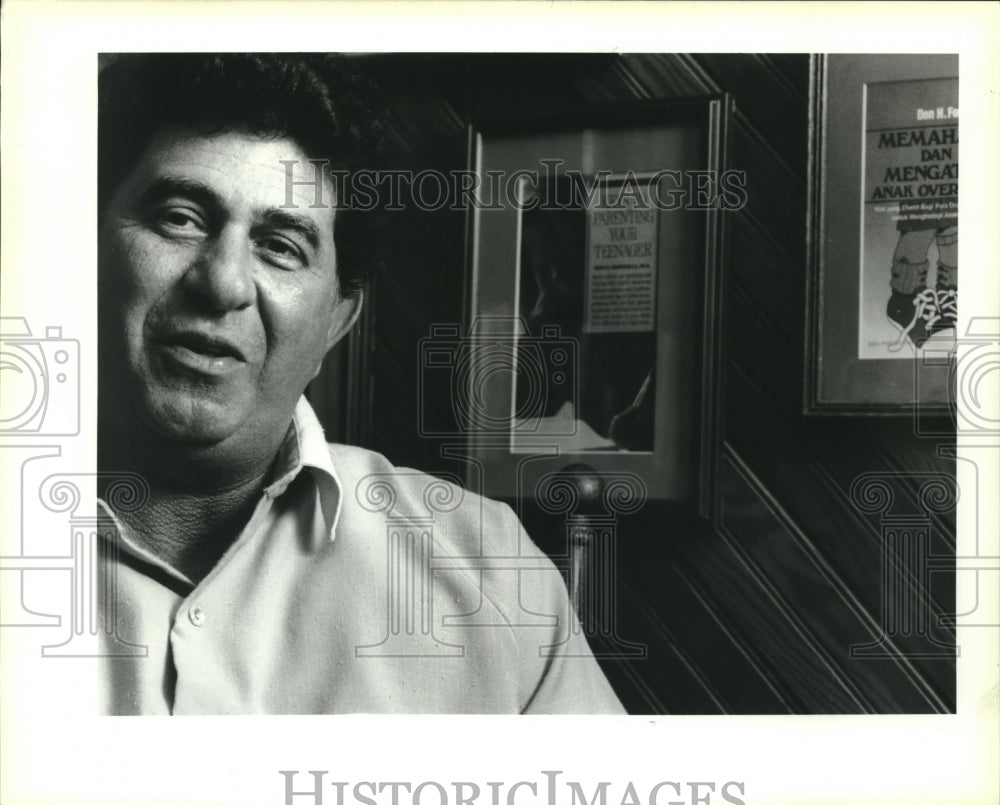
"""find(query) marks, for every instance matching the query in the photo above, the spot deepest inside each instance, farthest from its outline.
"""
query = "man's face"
(217, 304)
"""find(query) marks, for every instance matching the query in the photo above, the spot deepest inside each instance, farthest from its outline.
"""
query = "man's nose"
(223, 271)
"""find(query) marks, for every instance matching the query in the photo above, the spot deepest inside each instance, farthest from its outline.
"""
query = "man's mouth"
(203, 353)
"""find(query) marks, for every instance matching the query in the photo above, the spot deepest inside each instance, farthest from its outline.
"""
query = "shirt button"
(197, 616)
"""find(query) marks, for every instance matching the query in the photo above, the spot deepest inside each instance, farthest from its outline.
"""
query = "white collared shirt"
(356, 586)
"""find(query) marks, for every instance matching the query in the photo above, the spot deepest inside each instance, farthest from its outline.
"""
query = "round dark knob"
(589, 485)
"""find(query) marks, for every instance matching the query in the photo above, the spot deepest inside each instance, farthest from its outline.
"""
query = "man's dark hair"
(319, 101)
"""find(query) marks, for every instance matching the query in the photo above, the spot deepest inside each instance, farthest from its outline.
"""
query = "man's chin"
(194, 423)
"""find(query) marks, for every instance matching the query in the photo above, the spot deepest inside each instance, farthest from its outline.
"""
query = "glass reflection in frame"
(587, 295)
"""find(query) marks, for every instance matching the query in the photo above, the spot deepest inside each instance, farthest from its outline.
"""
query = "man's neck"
(192, 532)
(200, 499)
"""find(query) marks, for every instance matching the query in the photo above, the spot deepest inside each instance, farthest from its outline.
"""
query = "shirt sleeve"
(573, 683)
(560, 674)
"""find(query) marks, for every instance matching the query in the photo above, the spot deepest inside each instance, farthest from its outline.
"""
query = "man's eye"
(280, 252)
(179, 220)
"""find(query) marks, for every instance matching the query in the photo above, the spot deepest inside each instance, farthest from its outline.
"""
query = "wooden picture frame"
(645, 283)
(881, 302)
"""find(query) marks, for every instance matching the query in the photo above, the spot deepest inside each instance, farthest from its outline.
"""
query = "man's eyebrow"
(282, 219)
(166, 186)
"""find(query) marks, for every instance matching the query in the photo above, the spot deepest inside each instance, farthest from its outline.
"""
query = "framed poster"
(593, 309)
(883, 233)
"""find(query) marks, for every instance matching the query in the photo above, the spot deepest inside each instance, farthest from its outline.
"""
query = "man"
(267, 572)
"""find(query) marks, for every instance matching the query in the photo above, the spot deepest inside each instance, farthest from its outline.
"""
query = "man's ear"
(344, 317)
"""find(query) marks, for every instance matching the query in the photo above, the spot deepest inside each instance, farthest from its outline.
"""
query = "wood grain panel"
(786, 563)
(758, 615)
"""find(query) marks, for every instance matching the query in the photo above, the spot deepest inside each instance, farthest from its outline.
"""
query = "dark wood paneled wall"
(758, 615)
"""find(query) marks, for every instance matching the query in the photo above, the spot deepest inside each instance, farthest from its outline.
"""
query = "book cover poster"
(587, 290)
(621, 264)
(909, 259)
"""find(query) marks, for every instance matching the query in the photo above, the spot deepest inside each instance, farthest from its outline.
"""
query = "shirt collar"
(305, 446)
